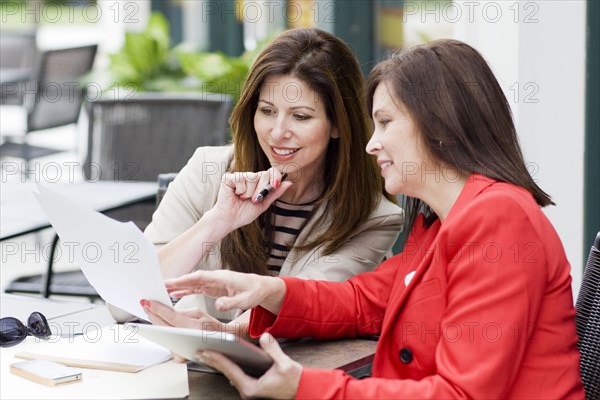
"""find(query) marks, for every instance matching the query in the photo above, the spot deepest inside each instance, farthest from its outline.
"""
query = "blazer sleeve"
(362, 252)
(338, 309)
(192, 193)
(492, 289)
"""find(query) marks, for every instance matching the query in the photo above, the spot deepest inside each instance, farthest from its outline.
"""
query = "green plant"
(146, 62)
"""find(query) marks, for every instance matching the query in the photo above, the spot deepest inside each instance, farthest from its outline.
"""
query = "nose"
(374, 146)
(281, 129)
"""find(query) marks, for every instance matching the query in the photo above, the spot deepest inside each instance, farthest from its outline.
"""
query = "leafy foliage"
(147, 62)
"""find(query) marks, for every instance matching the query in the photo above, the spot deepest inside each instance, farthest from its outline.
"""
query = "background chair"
(138, 137)
(53, 99)
(588, 323)
(17, 55)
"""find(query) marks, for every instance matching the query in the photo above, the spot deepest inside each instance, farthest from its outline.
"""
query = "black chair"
(145, 134)
(17, 57)
(137, 136)
(52, 99)
(588, 323)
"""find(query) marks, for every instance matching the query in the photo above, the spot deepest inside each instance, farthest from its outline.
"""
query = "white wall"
(537, 50)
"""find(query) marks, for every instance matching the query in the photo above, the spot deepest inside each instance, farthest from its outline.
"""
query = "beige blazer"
(194, 191)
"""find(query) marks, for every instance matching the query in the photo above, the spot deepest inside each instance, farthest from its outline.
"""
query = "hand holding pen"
(266, 190)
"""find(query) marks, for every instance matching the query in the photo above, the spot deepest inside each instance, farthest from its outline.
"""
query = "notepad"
(115, 348)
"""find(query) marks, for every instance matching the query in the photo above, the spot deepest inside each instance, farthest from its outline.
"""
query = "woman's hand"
(236, 203)
(160, 314)
(280, 381)
(233, 290)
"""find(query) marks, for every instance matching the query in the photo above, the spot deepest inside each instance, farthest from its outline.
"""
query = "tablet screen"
(187, 342)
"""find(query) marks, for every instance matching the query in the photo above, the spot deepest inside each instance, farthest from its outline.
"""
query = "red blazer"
(479, 306)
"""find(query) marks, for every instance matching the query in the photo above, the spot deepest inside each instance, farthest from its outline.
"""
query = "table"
(21, 214)
(351, 355)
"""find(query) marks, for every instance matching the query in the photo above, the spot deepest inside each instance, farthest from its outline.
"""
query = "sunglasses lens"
(12, 331)
(38, 325)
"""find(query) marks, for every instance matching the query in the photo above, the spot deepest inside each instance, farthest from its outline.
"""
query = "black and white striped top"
(289, 219)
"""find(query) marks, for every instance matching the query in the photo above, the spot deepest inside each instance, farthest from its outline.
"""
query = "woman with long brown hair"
(328, 220)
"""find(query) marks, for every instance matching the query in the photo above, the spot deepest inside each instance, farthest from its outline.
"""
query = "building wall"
(537, 50)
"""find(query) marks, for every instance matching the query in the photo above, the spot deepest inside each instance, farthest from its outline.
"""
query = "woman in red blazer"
(478, 304)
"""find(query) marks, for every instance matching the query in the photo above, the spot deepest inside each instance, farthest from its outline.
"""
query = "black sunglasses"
(12, 331)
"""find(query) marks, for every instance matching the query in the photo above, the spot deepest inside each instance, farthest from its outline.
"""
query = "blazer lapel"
(417, 266)
(427, 239)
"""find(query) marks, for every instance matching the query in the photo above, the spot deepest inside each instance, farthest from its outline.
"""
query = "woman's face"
(396, 144)
(292, 127)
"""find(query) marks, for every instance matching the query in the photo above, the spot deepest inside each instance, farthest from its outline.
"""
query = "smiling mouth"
(284, 152)
(385, 165)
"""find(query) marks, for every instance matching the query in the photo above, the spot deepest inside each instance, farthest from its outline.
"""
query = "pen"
(263, 193)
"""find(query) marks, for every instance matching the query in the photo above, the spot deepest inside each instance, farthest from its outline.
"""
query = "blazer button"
(406, 355)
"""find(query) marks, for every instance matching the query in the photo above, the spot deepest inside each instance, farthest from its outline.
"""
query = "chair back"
(588, 323)
(136, 138)
(17, 56)
(17, 49)
(58, 93)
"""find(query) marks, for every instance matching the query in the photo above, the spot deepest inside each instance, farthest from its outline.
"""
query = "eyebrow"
(378, 112)
(291, 108)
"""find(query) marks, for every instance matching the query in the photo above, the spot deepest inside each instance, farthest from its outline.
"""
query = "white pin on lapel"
(408, 278)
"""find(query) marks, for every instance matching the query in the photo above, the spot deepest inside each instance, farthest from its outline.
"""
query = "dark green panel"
(354, 23)
(174, 14)
(592, 128)
(226, 34)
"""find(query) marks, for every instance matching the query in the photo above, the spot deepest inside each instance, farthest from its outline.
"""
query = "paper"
(114, 347)
(165, 380)
(116, 257)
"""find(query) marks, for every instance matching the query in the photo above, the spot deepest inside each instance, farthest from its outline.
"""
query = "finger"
(265, 182)
(232, 371)
(240, 301)
(178, 358)
(177, 294)
(193, 313)
(272, 347)
(166, 314)
(155, 319)
(275, 194)
(194, 280)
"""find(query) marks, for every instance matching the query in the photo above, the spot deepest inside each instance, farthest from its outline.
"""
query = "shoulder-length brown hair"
(460, 110)
(352, 182)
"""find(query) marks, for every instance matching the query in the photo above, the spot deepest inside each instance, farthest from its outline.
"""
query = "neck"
(306, 187)
(441, 193)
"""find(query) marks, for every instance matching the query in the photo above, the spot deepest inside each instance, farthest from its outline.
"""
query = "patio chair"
(588, 323)
(53, 99)
(139, 137)
(17, 55)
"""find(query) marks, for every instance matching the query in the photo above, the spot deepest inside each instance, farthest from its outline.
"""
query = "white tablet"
(187, 342)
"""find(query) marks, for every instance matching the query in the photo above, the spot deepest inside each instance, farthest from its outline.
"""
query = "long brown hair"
(328, 66)
(461, 113)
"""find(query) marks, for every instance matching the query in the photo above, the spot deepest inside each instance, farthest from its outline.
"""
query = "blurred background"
(539, 50)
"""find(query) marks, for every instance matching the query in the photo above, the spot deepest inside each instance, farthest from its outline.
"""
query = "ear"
(335, 133)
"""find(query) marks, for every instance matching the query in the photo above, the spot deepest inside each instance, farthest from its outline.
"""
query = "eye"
(383, 122)
(302, 117)
(267, 111)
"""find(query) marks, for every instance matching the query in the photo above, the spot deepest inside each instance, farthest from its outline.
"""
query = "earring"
(441, 143)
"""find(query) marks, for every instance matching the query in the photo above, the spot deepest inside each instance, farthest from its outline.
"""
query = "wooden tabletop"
(350, 355)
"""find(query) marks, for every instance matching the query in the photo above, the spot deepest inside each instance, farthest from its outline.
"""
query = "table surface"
(346, 354)
(14, 75)
(20, 213)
